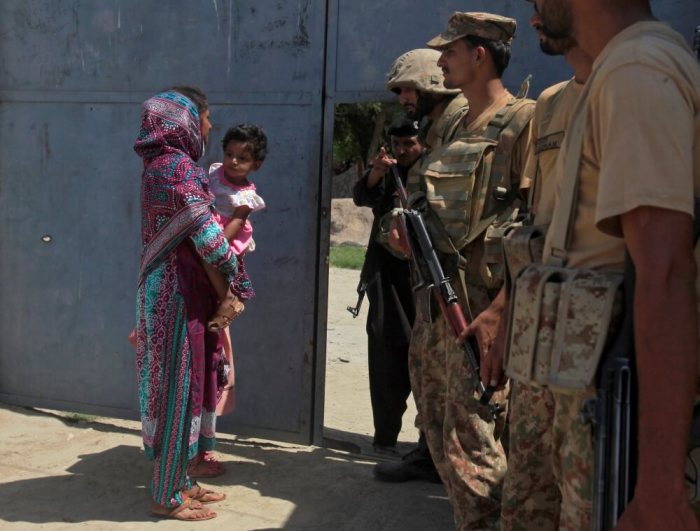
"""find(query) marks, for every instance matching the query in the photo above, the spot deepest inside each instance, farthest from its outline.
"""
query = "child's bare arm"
(239, 217)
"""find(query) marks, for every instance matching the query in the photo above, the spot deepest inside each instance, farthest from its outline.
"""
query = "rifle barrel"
(403, 196)
(447, 298)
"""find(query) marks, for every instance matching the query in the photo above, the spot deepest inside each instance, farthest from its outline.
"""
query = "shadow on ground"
(321, 488)
(360, 444)
(114, 497)
(333, 490)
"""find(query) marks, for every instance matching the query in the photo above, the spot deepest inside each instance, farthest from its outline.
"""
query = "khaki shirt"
(642, 143)
(641, 146)
(552, 114)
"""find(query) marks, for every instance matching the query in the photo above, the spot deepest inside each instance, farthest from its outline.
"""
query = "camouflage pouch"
(494, 252)
(531, 322)
(522, 246)
(560, 321)
(589, 312)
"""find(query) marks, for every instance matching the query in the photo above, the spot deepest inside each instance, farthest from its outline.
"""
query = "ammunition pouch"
(522, 245)
(510, 245)
(559, 324)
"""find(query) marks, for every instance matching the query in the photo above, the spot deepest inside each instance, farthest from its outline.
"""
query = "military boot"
(415, 465)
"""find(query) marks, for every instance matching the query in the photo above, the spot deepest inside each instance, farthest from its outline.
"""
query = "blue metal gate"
(72, 76)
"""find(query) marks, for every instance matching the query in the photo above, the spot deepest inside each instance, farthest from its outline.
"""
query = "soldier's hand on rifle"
(396, 241)
(486, 329)
(380, 166)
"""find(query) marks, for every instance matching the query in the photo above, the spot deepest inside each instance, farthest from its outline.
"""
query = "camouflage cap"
(418, 69)
(484, 25)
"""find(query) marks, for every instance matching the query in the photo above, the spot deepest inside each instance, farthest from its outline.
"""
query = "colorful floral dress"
(178, 360)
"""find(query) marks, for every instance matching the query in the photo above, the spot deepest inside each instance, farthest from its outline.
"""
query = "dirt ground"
(61, 472)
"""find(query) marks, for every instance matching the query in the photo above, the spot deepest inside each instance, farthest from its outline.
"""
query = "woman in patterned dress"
(179, 361)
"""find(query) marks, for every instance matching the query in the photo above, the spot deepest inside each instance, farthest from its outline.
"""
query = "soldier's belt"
(559, 324)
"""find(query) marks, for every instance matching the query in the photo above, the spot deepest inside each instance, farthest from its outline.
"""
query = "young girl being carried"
(235, 198)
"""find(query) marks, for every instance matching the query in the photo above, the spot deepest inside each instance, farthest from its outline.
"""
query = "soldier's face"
(550, 44)
(408, 98)
(406, 149)
(556, 19)
(457, 62)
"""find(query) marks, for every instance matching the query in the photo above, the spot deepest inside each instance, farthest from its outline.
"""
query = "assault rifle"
(614, 414)
(413, 231)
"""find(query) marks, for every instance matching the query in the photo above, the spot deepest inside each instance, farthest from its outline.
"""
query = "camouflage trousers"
(549, 483)
(462, 436)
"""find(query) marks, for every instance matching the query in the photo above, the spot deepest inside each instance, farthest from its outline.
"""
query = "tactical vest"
(443, 128)
(467, 182)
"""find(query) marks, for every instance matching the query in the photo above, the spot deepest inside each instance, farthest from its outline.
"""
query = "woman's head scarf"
(169, 122)
(175, 196)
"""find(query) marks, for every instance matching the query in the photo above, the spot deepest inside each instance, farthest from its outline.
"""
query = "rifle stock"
(426, 261)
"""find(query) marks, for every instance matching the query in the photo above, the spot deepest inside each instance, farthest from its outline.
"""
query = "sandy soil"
(61, 473)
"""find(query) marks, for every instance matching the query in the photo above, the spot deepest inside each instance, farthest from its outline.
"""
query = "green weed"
(347, 257)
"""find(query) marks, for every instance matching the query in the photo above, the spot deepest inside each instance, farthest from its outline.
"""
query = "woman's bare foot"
(189, 511)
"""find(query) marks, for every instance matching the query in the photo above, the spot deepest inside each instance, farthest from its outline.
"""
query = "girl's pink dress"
(227, 197)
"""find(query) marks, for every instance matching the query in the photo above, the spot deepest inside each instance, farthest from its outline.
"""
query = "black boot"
(416, 464)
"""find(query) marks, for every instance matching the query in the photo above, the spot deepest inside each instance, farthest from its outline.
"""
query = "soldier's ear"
(480, 54)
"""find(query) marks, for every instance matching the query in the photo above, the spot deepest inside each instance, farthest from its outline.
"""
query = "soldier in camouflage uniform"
(485, 159)
(548, 483)
(417, 80)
